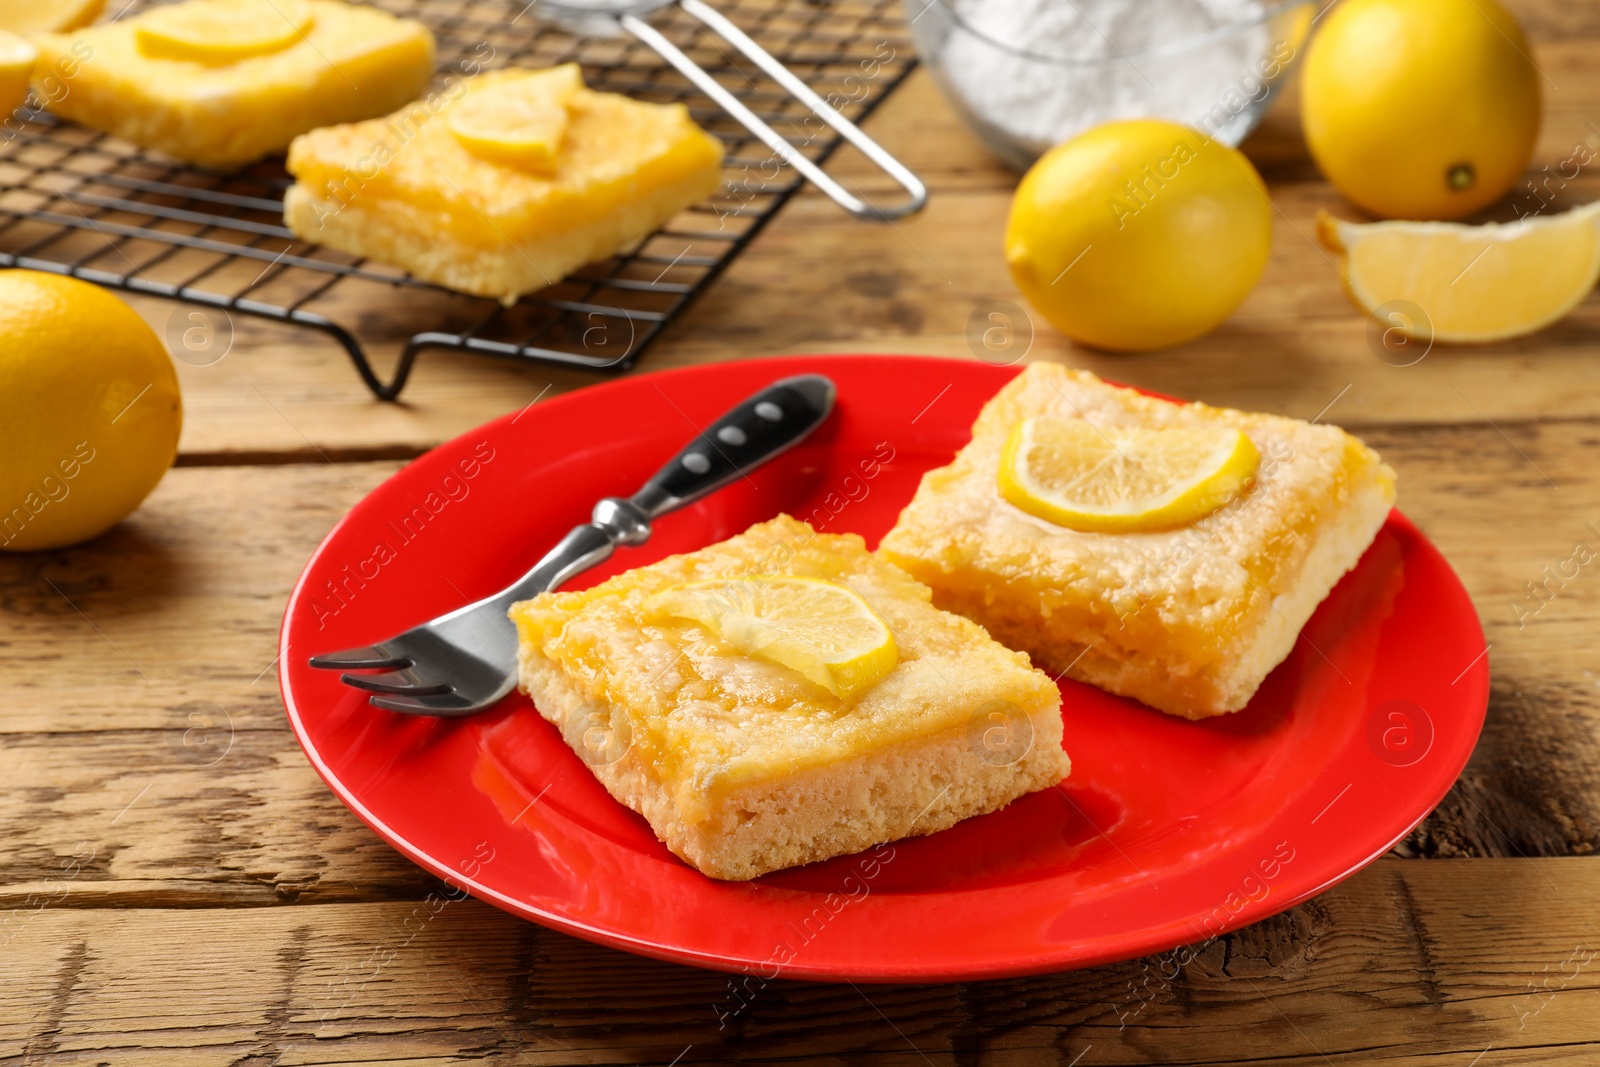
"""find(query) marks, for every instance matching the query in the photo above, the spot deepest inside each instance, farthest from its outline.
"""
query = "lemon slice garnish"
(520, 122)
(1469, 283)
(16, 67)
(824, 631)
(48, 16)
(223, 31)
(1118, 479)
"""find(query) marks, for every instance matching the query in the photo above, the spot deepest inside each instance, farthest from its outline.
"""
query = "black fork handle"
(756, 431)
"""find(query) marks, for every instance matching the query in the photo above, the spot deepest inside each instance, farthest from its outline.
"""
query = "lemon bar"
(1189, 620)
(28, 17)
(742, 765)
(222, 83)
(450, 203)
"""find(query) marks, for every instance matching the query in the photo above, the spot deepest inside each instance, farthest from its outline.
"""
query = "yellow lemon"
(48, 16)
(89, 410)
(1119, 479)
(1451, 282)
(223, 31)
(16, 67)
(1420, 109)
(521, 123)
(824, 631)
(1139, 234)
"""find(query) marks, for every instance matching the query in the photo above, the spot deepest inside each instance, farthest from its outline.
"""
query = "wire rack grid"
(78, 202)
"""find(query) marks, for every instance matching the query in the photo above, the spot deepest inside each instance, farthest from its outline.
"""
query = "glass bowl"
(1028, 74)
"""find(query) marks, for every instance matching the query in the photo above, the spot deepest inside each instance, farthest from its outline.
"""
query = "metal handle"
(761, 427)
(801, 91)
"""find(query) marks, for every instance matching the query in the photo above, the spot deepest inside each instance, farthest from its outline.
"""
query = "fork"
(463, 662)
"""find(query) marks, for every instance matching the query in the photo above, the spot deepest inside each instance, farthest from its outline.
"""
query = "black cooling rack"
(75, 201)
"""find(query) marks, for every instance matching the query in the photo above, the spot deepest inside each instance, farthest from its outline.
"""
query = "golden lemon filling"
(1073, 473)
(660, 649)
(1189, 616)
(785, 696)
(221, 83)
(502, 184)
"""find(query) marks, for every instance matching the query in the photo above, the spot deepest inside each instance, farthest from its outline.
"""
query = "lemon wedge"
(223, 31)
(16, 67)
(520, 123)
(1121, 479)
(32, 16)
(1470, 283)
(824, 631)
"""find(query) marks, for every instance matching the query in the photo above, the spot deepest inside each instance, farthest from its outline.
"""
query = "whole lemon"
(1420, 109)
(1139, 234)
(89, 410)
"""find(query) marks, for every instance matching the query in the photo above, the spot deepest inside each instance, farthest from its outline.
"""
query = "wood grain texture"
(139, 673)
(1407, 963)
(178, 887)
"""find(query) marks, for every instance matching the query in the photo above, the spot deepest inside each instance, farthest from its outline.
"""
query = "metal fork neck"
(616, 522)
(627, 522)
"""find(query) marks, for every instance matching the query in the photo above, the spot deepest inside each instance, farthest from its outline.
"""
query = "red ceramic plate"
(1168, 832)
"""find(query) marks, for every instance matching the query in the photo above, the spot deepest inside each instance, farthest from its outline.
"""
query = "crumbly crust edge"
(910, 790)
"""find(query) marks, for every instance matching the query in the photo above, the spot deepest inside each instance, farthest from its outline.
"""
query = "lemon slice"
(55, 16)
(520, 122)
(1470, 283)
(223, 31)
(16, 67)
(1121, 479)
(824, 631)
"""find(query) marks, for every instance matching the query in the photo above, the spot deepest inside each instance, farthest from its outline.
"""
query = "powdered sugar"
(1038, 71)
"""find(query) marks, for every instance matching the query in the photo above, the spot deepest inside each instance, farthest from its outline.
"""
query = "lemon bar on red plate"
(224, 82)
(784, 697)
(505, 185)
(1166, 552)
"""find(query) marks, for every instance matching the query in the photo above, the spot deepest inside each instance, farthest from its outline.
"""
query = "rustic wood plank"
(1407, 963)
(1508, 505)
(175, 615)
(158, 640)
(181, 602)
(157, 883)
(110, 649)
(1295, 344)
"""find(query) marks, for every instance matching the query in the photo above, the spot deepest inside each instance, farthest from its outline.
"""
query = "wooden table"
(203, 899)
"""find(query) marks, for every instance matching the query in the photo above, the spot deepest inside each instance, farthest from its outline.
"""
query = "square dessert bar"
(351, 62)
(1188, 620)
(406, 190)
(742, 766)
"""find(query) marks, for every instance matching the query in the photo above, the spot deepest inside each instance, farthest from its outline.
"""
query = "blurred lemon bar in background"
(17, 58)
(221, 83)
(506, 183)
(1166, 552)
